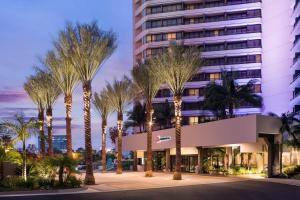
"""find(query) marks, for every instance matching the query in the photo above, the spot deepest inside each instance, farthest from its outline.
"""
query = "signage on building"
(161, 139)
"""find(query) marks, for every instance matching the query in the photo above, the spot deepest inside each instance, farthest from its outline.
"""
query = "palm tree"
(148, 85)
(230, 95)
(22, 129)
(136, 117)
(113, 134)
(52, 92)
(290, 125)
(67, 79)
(88, 47)
(102, 104)
(34, 89)
(164, 113)
(177, 66)
(61, 162)
(8, 155)
(120, 95)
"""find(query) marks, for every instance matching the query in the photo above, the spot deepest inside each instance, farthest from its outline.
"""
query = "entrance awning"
(238, 130)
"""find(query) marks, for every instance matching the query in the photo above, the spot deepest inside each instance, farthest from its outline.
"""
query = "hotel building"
(250, 38)
(253, 39)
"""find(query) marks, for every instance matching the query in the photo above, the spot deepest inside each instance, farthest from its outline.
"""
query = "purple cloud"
(9, 96)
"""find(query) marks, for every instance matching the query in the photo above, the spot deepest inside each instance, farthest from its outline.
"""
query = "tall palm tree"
(102, 104)
(34, 89)
(148, 85)
(164, 113)
(230, 95)
(67, 79)
(177, 66)
(88, 47)
(136, 117)
(52, 92)
(120, 94)
(22, 129)
(290, 125)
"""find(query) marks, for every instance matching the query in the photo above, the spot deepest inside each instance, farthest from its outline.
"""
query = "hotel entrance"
(189, 163)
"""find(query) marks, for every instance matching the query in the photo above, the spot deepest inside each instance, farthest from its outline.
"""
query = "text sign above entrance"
(161, 139)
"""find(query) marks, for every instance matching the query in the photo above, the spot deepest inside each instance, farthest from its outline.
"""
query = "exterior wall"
(234, 131)
(277, 44)
(295, 68)
(140, 47)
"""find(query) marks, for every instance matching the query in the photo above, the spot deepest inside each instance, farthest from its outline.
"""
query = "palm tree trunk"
(119, 159)
(24, 173)
(231, 115)
(42, 134)
(68, 105)
(104, 124)
(89, 176)
(1, 170)
(49, 127)
(150, 112)
(177, 104)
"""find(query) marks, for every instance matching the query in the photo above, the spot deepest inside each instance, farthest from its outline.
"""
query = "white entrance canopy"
(240, 130)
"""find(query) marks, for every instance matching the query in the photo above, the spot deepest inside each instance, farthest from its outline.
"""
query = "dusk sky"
(28, 28)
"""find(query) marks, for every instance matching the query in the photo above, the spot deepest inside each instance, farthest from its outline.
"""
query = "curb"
(43, 192)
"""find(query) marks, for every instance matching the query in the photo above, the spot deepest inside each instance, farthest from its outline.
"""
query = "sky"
(27, 31)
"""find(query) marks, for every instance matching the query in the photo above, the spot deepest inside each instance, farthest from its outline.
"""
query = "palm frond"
(120, 93)
(177, 66)
(62, 70)
(88, 47)
(102, 104)
(146, 81)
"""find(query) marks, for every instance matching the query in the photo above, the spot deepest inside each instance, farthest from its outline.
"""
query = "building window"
(193, 92)
(193, 120)
(214, 76)
(171, 36)
(257, 88)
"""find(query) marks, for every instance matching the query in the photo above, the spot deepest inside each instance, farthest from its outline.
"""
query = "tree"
(8, 155)
(66, 77)
(148, 85)
(102, 104)
(34, 89)
(88, 47)
(289, 125)
(164, 114)
(136, 117)
(51, 90)
(22, 130)
(176, 66)
(120, 94)
(62, 162)
(113, 134)
(230, 95)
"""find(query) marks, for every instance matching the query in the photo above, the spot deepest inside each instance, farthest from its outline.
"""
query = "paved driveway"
(243, 190)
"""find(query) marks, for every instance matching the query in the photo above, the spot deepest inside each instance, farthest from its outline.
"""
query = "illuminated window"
(193, 120)
(216, 33)
(171, 36)
(258, 58)
(257, 88)
(149, 38)
(214, 76)
(148, 52)
(193, 92)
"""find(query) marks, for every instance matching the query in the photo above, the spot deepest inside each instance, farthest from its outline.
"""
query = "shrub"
(72, 182)
(291, 171)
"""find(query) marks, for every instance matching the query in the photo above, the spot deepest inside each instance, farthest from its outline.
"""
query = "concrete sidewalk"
(110, 182)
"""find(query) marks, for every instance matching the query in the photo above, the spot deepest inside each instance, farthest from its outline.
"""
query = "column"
(135, 161)
(168, 160)
(200, 160)
(145, 160)
(228, 157)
